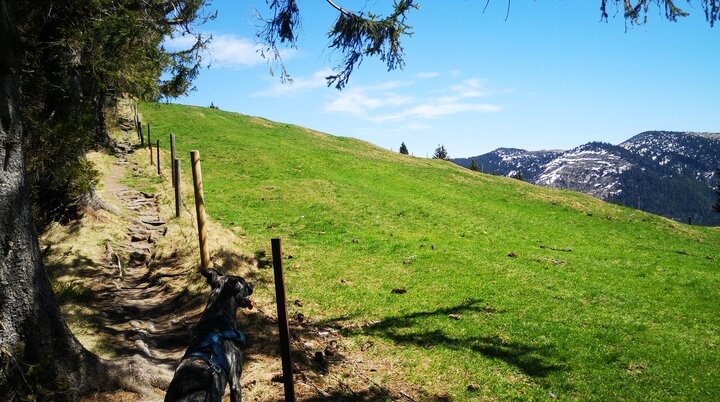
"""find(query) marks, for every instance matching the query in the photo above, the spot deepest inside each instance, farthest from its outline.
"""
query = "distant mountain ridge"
(694, 154)
(664, 172)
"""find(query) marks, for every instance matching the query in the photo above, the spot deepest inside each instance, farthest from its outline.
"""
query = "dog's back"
(193, 381)
(214, 358)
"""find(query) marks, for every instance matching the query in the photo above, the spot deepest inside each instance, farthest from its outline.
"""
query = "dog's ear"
(211, 276)
(245, 288)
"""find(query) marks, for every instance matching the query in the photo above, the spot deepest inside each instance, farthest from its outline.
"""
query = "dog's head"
(228, 286)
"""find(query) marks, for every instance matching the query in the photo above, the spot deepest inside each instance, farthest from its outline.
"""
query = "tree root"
(91, 201)
(136, 374)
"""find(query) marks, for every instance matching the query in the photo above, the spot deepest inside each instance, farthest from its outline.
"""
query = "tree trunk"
(39, 356)
(102, 136)
(32, 329)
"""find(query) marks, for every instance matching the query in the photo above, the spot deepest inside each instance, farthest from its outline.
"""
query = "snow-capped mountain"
(693, 154)
(667, 173)
(511, 161)
(592, 168)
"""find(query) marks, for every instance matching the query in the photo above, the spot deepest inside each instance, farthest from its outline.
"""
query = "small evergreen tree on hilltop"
(441, 153)
(473, 165)
(404, 149)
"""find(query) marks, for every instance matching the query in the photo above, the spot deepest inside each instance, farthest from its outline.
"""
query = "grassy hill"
(516, 290)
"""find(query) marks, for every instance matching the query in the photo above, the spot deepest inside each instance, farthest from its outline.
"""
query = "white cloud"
(231, 51)
(392, 101)
(414, 126)
(438, 109)
(471, 88)
(378, 103)
(386, 85)
(226, 50)
(298, 84)
(357, 102)
(179, 42)
(427, 75)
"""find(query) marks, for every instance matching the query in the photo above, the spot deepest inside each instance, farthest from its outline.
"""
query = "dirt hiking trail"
(126, 277)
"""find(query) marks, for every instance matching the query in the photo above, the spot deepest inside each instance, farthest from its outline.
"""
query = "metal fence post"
(172, 157)
(176, 179)
(150, 145)
(283, 321)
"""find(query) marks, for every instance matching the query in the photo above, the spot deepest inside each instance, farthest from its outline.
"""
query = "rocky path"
(136, 313)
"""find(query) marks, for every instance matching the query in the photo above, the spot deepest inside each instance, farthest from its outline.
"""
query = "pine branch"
(356, 36)
(636, 11)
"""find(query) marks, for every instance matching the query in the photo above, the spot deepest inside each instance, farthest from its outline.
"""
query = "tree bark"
(102, 136)
(39, 356)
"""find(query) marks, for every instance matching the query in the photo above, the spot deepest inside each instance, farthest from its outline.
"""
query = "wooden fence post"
(172, 156)
(283, 321)
(157, 150)
(200, 208)
(150, 146)
(140, 133)
(176, 179)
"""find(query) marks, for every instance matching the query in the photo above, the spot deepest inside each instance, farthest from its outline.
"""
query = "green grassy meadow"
(526, 292)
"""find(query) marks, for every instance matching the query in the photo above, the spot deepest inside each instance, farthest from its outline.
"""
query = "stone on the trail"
(143, 347)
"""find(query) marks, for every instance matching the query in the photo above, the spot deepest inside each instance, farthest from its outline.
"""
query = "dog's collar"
(210, 349)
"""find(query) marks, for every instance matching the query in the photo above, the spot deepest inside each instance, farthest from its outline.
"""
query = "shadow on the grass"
(408, 329)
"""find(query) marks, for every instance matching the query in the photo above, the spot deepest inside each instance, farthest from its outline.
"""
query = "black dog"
(213, 358)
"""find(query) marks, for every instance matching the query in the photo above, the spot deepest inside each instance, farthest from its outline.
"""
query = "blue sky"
(553, 76)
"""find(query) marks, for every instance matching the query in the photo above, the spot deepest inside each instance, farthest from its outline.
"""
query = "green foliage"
(681, 193)
(637, 13)
(71, 293)
(78, 56)
(280, 28)
(473, 165)
(598, 302)
(404, 149)
(357, 36)
(354, 36)
(441, 153)
(58, 173)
